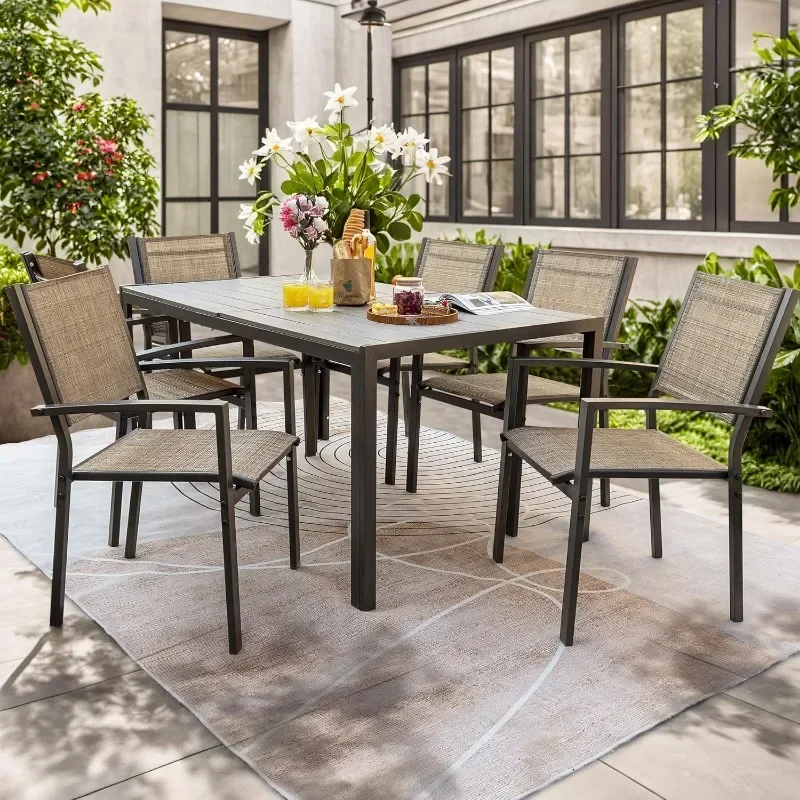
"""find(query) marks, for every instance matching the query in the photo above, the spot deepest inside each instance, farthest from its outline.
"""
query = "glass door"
(214, 112)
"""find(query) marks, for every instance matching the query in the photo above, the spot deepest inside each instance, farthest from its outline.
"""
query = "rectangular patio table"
(252, 308)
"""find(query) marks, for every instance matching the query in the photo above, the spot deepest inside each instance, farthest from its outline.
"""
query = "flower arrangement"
(330, 163)
(302, 219)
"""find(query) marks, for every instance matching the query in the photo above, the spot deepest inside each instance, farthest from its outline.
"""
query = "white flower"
(409, 141)
(247, 214)
(250, 171)
(432, 164)
(252, 237)
(379, 140)
(322, 202)
(339, 99)
(319, 224)
(307, 131)
(379, 167)
(272, 144)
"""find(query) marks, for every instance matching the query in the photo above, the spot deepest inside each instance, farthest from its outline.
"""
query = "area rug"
(457, 685)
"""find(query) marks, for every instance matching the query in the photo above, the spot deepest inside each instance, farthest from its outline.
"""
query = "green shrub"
(11, 271)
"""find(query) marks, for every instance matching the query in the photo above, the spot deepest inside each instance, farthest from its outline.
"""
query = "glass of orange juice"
(295, 294)
(320, 296)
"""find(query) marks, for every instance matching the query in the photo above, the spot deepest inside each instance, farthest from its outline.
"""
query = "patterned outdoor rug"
(457, 686)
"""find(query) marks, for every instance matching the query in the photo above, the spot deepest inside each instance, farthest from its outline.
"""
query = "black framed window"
(750, 179)
(568, 128)
(425, 103)
(214, 112)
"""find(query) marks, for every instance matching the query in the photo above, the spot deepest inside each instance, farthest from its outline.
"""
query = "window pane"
(753, 186)
(439, 133)
(417, 123)
(751, 16)
(188, 67)
(549, 127)
(502, 188)
(503, 132)
(548, 187)
(476, 190)
(584, 123)
(684, 103)
(643, 186)
(684, 186)
(238, 137)
(475, 80)
(475, 136)
(643, 118)
(188, 219)
(188, 154)
(685, 43)
(412, 90)
(794, 24)
(642, 46)
(439, 86)
(584, 61)
(238, 73)
(439, 198)
(229, 221)
(584, 187)
(503, 76)
(548, 67)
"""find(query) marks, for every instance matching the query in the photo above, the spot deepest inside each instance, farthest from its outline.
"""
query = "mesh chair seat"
(429, 361)
(491, 388)
(253, 453)
(614, 450)
(185, 384)
(234, 350)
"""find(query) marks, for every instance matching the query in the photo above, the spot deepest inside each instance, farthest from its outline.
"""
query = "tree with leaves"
(769, 109)
(76, 177)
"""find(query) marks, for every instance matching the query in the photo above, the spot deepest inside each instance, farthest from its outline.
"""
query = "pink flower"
(107, 145)
(311, 233)
(303, 203)
(79, 106)
(34, 106)
(294, 231)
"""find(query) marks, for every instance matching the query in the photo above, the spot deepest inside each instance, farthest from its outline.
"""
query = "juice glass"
(295, 294)
(320, 296)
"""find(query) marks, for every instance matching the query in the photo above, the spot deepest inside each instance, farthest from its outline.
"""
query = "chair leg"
(392, 422)
(406, 387)
(323, 401)
(588, 513)
(177, 420)
(241, 421)
(64, 490)
(133, 520)
(501, 513)
(605, 483)
(477, 444)
(294, 510)
(414, 422)
(735, 547)
(116, 496)
(255, 501)
(654, 491)
(514, 493)
(231, 570)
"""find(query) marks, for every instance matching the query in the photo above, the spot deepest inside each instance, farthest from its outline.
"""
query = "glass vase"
(295, 289)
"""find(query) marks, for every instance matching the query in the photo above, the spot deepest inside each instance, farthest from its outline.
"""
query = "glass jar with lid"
(408, 295)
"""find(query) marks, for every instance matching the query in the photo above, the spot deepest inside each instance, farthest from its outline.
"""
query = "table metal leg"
(391, 430)
(364, 392)
(590, 387)
(309, 370)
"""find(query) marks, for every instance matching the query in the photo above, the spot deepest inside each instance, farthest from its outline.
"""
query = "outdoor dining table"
(252, 308)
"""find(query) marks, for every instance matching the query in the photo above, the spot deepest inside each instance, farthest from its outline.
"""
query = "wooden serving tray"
(413, 319)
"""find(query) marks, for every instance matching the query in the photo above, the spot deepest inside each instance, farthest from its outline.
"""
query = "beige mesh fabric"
(429, 361)
(717, 341)
(491, 388)
(613, 450)
(234, 350)
(455, 266)
(51, 267)
(581, 283)
(185, 384)
(84, 338)
(177, 259)
(253, 453)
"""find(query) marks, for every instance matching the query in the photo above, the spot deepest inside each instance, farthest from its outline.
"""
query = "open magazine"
(484, 302)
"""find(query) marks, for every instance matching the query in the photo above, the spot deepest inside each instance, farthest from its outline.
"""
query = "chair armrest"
(569, 345)
(167, 350)
(593, 363)
(130, 407)
(668, 404)
(131, 321)
(278, 364)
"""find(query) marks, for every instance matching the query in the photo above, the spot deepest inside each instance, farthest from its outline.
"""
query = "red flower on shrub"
(39, 177)
(34, 106)
(73, 207)
(107, 145)
(82, 176)
(80, 106)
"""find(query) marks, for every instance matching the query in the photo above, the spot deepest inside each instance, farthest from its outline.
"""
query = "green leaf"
(399, 231)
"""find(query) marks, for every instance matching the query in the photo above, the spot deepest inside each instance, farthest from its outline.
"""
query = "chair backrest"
(77, 338)
(724, 341)
(178, 259)
(48, 268)
(595, 284)
(447, 266)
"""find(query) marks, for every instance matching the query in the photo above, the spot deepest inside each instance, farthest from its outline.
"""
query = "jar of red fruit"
(408, 295)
